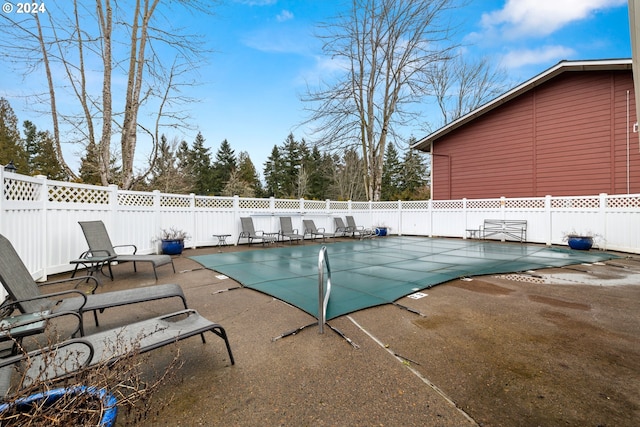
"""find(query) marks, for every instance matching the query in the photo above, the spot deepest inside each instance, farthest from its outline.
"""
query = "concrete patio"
(552, 347)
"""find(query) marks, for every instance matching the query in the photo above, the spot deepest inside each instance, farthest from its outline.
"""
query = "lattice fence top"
(385, 205)
(447, 204)
(416, 204)
(175, 201)
(575, 202)
(360, 205)
(214, 203)
(314, 205)
(483, 204)
(21, 190)
(292, 205)
(72, 194)
(135, 199)
(623, 201)
(537, 203)
(333, 205)
(254, 204)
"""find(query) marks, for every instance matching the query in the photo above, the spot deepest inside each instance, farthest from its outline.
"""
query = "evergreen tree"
(291, 163)
(186, 166)
(199, 164)
(89, 169)
(224, 164)
(414, 178)
(39, 146)
(246, 172)
(11, 146)
(320, 168)
(273, 173)
(165, 175)
(391, 175)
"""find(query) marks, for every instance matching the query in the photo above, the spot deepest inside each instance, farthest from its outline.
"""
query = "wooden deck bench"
(513, 228)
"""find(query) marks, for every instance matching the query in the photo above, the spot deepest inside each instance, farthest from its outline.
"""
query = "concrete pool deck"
(557, 346)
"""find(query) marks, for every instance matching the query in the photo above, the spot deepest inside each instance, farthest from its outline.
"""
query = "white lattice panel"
(483, 204)
(135, 199)
(575, 203)
(360, 205)
(524, 203)
(63, 194)
(290, 205)
(254, 203)
(214, 203)
(447, 204)
(384, 205)
(314, 205)
(175, 201)
(623, 202)
(21, 190)
(418, 205)
(338, 206)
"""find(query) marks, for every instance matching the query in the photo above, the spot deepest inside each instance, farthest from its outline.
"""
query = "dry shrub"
(132, 379)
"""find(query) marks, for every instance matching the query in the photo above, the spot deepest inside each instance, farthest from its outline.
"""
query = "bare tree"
(386, 49)
(76, 38)
(461, 85)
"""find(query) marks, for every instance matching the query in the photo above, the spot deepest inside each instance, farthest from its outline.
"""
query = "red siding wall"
(565, 137)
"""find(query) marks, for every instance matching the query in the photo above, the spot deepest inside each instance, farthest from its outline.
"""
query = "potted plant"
(173, 240)
(381, 230)
(77, 405)
(580, 241)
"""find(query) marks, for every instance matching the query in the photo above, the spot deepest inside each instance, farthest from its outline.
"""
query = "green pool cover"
(367, 273)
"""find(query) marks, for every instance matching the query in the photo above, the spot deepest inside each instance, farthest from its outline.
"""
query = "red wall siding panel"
(566, 137)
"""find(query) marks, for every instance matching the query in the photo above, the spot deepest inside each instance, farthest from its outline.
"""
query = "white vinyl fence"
(40, 217)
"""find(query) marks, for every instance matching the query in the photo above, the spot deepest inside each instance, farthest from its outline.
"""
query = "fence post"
(192, 207)
(602, 214)
(236, 214)
(113, 208)
(44, 199)
(399, 224)
(464, 215)
(549, 219)
(430, 217)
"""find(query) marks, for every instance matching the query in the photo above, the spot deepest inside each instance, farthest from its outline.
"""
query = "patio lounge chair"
(341, 228)
(359, 231)
(249, 233)
(287, 230)
(310, 228)
(67, 357)
(27, 297)
(100, 244)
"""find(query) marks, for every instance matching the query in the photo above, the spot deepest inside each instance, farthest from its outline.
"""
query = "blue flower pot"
(172, 247)
(381, 231)
(110, 410)
(581, 243)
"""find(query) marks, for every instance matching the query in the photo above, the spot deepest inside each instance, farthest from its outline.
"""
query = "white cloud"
(285, 15)
(542, 17)
(542, 55)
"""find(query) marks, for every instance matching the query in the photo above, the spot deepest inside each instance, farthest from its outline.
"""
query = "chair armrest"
(44, 317)
(12, 360)
(321, 230)
(135, 248)
(51, 295)
(79, 279)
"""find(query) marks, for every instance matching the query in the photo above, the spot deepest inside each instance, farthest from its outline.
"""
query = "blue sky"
(265, 53)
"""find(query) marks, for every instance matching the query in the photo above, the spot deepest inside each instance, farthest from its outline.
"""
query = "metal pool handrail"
(323, 296)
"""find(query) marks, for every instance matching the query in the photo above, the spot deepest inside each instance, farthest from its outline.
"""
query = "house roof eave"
(424, 144)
